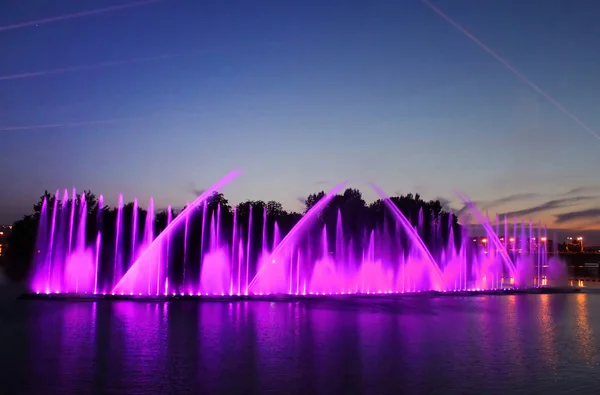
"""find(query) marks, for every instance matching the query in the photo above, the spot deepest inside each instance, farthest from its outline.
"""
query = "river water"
(484, 345)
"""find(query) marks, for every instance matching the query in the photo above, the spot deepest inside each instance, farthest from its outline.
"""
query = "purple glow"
(200, 253)
(414, 236)
(485, 222)
(148, 258)
(269, 263)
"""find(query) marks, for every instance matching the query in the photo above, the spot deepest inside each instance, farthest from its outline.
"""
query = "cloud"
(321, 182)
(301, 200)
(516, 197)
(445, 203)
(575, 215)
(198, 192)
(549, 205)
(585, 189)
(486, 205)
(192, 189)
(464, 210)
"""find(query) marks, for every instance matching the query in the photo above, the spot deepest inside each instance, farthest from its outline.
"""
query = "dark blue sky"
(302, 95)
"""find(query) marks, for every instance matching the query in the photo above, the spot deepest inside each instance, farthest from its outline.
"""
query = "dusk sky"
(302, 95)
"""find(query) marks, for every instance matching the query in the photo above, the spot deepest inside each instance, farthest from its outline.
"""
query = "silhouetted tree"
(37, 208)
(218, 199)
(313, 199)
(356, 216)
(243, 211)
(21, 247)
(275, 209)
(21, 242)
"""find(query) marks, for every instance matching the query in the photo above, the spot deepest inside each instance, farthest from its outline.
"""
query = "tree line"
(433, 222)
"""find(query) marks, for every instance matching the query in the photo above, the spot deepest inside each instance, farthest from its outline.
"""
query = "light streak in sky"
(153, 117)
(76, 15)
(92, 66)
(69, 124)
(516, 72)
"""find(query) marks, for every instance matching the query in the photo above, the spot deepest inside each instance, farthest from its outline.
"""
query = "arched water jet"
(492, 235)
(147, 257)
(439, 277)
(355, 251)
(293, 235)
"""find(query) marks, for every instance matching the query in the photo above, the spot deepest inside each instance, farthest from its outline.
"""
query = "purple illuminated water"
(208, 251)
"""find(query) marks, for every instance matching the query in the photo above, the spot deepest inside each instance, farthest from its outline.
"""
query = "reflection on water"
(547, 335)
(488, 344)
(585, 334)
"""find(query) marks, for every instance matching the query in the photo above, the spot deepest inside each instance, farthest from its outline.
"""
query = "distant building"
(574, 244)
(515, 245)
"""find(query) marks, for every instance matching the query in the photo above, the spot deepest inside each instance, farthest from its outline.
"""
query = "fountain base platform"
(287, 297)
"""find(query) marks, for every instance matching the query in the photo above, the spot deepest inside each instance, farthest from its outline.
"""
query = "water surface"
(523, 344)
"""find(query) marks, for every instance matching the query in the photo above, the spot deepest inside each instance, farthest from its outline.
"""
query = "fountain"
(207, 250)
